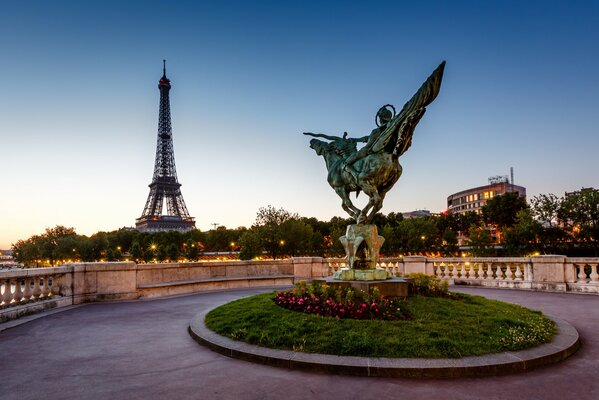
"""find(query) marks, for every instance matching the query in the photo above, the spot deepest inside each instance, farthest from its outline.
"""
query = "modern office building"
(474, 199)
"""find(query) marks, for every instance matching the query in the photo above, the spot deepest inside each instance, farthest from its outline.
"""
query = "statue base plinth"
(348, 274)
(393, 287)
(362, 244)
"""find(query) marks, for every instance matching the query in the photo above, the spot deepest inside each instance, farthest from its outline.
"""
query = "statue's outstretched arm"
(322, 135)
(361, 140)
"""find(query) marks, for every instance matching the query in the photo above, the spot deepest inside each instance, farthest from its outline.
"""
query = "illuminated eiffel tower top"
(165, 185)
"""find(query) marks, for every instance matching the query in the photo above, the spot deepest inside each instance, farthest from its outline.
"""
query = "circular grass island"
(439, 324)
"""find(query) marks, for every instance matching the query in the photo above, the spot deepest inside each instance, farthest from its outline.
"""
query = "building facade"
(474, 199)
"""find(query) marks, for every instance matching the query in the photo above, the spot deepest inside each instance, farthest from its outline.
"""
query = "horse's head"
(319, 146)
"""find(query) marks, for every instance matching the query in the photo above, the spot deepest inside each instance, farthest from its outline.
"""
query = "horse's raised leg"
(346, 203)
(376, 207)
(375, 202)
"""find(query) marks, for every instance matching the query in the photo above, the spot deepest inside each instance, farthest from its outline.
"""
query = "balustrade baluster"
(467, 271)
(518, 272)
(7, 296)
(594, 275)
(451, 272)
(481, 272)
(27, 292)
(18, 294)
(582, 275)
(37, 290)
(489, 271)
(498, 273)
(509, 273)
(443, 270)
(45, 287)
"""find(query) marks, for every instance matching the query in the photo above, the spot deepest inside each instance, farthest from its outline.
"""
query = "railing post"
(415, 264)
(549, 273)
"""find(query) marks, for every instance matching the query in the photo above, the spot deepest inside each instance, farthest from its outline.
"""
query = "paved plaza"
(142, 350)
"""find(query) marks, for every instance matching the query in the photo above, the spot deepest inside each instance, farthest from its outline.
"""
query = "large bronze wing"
(397, 137)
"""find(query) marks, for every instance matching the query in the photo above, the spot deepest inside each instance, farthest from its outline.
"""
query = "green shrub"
(429, 285)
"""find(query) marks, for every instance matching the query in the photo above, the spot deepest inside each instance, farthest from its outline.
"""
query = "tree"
(501, 210)
(580, 212)
(545, 208)
(28, 251)
(416, 235)
(521, 239)
(296, 237)
(480, 242)
(172, 252)
(250, 245)
(136, 251)
(450, 243)
(268, 227)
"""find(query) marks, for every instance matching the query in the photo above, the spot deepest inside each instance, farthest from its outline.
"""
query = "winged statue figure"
(374, 168)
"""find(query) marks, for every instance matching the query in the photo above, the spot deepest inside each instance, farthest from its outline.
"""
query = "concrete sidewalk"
(141, 350)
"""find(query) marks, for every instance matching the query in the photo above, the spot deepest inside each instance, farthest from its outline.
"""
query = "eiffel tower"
(165, 185)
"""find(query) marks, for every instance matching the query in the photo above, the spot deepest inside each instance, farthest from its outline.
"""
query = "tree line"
(507, 226)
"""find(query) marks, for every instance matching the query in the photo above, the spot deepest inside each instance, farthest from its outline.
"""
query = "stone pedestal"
(348, 274)
(393, 287)
(362, 244)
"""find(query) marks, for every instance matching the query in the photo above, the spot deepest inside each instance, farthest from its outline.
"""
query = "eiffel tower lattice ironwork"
(165, 186)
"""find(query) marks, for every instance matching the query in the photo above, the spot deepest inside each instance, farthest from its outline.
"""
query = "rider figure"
(344, 146)
(384, 115)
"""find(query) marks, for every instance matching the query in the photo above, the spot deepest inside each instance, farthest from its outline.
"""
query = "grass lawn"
(439, 328)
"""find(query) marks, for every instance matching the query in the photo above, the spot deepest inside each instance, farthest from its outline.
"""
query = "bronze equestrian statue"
(375, 168)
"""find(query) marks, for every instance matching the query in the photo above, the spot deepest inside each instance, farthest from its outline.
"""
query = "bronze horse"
(375, 168)
(377, 174)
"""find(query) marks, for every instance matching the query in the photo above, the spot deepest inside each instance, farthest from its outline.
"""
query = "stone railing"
(24, 291)
(550, 273)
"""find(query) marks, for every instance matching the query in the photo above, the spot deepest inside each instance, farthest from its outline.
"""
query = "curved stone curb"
(565, 343)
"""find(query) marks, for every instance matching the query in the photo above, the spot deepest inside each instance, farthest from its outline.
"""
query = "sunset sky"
(79, 103)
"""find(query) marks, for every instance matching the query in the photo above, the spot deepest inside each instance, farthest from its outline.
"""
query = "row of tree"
(507, 226)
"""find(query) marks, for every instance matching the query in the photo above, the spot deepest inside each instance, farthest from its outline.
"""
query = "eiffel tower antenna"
(165, 187)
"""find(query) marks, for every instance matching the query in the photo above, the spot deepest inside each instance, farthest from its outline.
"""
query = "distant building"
(474, 199)
(7, 260)
(583, 190)
(417, 214)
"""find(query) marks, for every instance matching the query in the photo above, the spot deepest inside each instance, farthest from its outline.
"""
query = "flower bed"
(343, 303)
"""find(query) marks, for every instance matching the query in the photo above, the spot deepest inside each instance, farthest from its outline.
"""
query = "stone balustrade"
(550, 273)
(24, 291)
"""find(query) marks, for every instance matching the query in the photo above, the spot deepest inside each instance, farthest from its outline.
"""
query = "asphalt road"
(141, 350)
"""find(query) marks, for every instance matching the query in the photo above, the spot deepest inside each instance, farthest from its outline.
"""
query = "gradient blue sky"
(79, 103)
